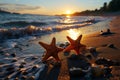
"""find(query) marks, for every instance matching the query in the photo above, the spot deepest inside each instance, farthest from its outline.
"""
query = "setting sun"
(68, 12)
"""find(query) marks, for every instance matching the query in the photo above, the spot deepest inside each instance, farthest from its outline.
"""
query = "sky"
(50, 7)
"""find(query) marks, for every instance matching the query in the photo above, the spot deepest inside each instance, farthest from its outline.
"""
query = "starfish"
(75, 45)
(51, 50)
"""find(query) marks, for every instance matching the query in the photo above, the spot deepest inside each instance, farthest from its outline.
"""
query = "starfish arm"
(56, 57)
(70, 40)
(79, 39)
(44, 45)
(77, 51)
(53, 41)
(45, 57)
(68, 48)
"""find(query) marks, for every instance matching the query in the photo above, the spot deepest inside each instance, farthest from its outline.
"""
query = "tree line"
(112, 6)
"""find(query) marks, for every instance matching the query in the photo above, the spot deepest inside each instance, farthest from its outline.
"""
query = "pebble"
(13, 54)
(62, 45)
(14, 60)
(21, 66)
(67, 44)
(7, 54)
(34, 57)
(111, 45)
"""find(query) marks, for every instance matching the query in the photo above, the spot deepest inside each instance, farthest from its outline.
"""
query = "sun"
(68, 12)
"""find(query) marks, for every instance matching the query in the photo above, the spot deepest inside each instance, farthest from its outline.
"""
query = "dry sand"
(95, 40)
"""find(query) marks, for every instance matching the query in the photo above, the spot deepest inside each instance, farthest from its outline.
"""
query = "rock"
(23, 63)
(14, 60)
(35, 67)
(24, 73)
(101, 61)
(92, 50)
(34, 57)
(104, 61)
(62, 45)
(73, 56)
(7, 54)
(66, 53)
(21, 66)
(16, 79)
(13, 54)
(111, 45)
(89, 57)
(67, 44)
(76, 72)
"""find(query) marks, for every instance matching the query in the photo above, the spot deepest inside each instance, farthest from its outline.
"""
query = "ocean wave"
(31, 30)
(22, 23)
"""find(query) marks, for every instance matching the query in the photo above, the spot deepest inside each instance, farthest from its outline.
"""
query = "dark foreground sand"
(102, 46)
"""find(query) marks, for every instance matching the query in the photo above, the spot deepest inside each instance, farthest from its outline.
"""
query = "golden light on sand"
(73, 33)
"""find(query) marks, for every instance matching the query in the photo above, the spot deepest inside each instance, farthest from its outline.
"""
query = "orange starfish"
(51, 50)
(75, 45)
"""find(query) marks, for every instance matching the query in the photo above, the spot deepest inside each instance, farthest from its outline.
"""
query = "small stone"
(89, 57)
(33, 58)
(14, 60)
(13, 54)
(66, 53)
(21, 66)
(92, 50)
(25, 73)
(7, 54)
(111, 46)
(62, 45)
(23, 63)
(16, 79)
(35, 67)
(73, 56)
(67, 44)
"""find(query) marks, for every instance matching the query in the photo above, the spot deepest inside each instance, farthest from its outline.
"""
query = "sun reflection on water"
(73, 33)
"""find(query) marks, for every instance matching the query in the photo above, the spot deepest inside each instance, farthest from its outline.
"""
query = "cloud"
(17, 7)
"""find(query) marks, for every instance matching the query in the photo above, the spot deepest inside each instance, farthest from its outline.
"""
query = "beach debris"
(75, 45)
(51, 50)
